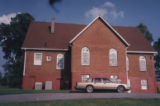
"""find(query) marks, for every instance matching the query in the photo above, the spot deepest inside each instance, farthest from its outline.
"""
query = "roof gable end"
(109, 26)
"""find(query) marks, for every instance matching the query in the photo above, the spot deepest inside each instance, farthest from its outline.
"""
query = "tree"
(157, 56)
(143, 28)
(11, 39)
(0, 78)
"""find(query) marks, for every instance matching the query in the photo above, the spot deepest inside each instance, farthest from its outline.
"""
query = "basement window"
(85, 78)
(144, 85)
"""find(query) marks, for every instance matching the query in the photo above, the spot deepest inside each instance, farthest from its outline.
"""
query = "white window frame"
(85, 77)
(142, 63)
(60, 57)
(48, 58)
(38, 61)
(144, 84)
(127, 63)
(85, 56)
(113, 60)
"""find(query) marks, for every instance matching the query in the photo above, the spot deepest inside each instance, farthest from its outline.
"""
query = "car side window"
(97, 80)
(105, 80)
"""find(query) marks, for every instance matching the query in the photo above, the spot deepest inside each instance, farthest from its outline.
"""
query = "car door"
(98, 84)
(108, 84)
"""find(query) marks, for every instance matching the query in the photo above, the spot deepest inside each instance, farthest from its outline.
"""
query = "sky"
(116, 12)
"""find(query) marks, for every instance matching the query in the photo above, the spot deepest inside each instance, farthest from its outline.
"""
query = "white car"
(101, 84)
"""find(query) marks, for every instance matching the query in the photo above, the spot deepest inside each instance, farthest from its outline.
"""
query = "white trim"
(141, 52)
(24, 65)
(45, 49)
(106, 24)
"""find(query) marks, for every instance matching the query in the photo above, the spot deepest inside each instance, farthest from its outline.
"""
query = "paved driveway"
(62, 96)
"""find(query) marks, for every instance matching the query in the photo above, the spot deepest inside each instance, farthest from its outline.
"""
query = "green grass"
(6, 90)
(90, 102)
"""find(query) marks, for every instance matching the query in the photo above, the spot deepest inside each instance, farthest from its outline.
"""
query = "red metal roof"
(39, 36)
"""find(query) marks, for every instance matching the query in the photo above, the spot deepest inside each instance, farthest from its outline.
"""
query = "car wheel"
(120, 89)
(89, 89)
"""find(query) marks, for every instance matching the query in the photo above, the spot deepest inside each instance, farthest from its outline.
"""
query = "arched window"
(142, 63)
(85, 56)
(113, 57)
(127, 63)
(60, 61)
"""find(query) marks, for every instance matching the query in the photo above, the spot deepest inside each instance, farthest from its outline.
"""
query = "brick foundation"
(29, 82)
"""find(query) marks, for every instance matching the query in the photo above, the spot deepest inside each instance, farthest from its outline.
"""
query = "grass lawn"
(90, 102)
(6, 90)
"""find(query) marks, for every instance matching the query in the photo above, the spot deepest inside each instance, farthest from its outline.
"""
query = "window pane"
(144, 84)
(85, 56)
(142, 61)
(37, 58)
(60, 61)
(113, 57)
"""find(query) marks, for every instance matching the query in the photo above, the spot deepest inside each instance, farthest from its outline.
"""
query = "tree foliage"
(11, 39)
(143, 28)
(157, 56)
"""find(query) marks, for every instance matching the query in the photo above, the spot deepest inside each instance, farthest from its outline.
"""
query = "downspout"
(24, 65)
(71, 65)
(128, 85)
(126, 66)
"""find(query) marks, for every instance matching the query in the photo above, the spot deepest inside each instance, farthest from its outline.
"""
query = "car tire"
(120, 89)
(89, 89)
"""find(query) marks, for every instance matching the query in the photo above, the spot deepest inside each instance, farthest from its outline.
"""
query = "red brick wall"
(99, 39)
(135, 75)
(45, 72)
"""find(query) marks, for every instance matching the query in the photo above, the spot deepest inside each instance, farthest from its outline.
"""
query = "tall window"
(85, 78)
(60, 61)
(85, 56)
(113, 57)
(37, 58)
(127, 63)
(144, 84)
(142, 62)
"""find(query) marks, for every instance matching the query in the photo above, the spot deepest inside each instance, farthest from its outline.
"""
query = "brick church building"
(64, 54)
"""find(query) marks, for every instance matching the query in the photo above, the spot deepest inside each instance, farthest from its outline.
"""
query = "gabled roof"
(138, 42)
(39, 37)
(99, 17)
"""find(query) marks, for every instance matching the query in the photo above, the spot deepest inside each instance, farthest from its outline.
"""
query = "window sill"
(144, 71)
